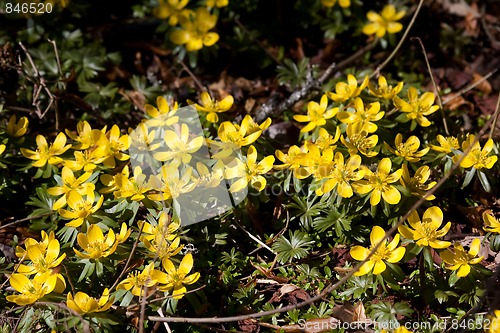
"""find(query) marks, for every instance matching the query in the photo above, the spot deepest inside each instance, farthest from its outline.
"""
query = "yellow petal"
(376, 235)
(379, 267)
(463, 271)
(359, 253)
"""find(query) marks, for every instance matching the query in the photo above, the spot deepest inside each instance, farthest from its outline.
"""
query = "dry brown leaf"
(456, 101)
(484, 87)
(320, 325)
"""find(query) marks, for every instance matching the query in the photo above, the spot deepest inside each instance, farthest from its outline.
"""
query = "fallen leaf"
(484, 86)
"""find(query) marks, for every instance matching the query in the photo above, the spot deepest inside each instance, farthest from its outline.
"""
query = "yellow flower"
(491, 223)
(162, 116)
(44, 258)
(181, 147)
(47, 154)
(44, 243)
(425, 232)
(31, 290)
(81, 208)
(446, 144)
(400, 329)
(331, 3)
(378, 184)
(416, 184)
(2, 149)
(345, 91)
(251, 126)
(113, 182)
(143, 139)
(165, 228)
(124, 233)
(216, 3)
(195, 30)
(86, 136)
(358, 141)
(171, 9)
(17, 128)
(314, 162)
(361, 116)
(385, 22)
(387, 251)
(115, 144)
(159, 247)
(212, 107)
(408, 150)
(249, 172)
(83, 303)
(207, 178)
(460, 260)
(134, 187)
(384, 90)
(317, 114)
(138, 281)
(177, 278)
(70, 183)
(327, 141)
(95, 244)
(171, 183)
(477, 158)
(342, 174)
(233, 137)
(417, 108)
(494, 322)
(87, 159)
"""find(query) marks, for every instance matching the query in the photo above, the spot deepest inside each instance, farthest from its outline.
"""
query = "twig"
(495, 117)
(401, 41)
(255, 238)
(468, 87)
(25, 219)
(346, 277)
(436, 92)
(195, 79)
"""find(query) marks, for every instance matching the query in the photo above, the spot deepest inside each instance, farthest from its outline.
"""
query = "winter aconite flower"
(94, 244)
(81, 208)
(181, 146)
(47, 154)
(460, 260)
(378, 184)
(342, 174)
(249, 172)
(446, 144)
(358, 140)
(385, 22)
(212, 107)
(384, 90)
(331, 3)
(408, 149)
(171, 9)
(477, 158)
(491, 223)
(82, 303)
(31, 290)
(417, 108)
(494, 323)
(362, 116)
(195, 30)
(137, 281)
(163, 115)
(17, 128)
(317, 114)
(70, 183)
(417, 184)
(387, 251)
(425, 232)
(216, 3)
(345, 91)
(177, 278)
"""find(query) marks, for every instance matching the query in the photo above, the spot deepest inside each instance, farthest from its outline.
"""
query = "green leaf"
(468, 177)
(484, 181)
(296, 247)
